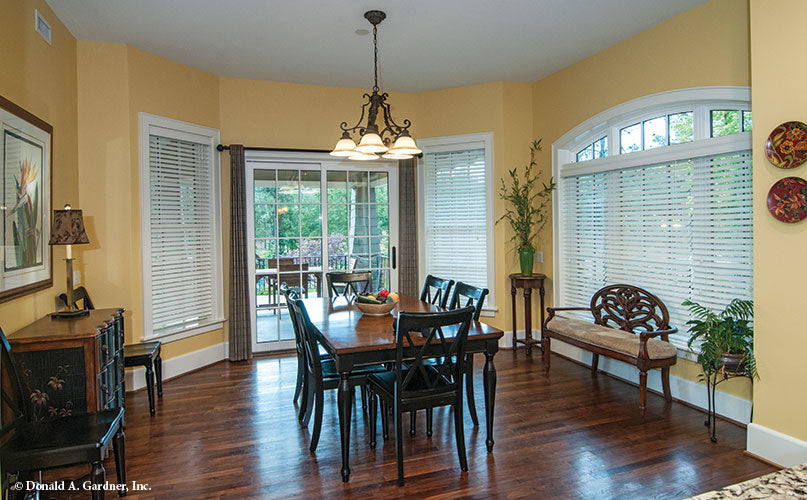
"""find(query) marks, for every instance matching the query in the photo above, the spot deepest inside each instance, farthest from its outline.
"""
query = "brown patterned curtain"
(240, 334)
(408, 230)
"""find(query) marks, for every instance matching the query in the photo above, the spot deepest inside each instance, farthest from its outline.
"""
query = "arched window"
(657, 192)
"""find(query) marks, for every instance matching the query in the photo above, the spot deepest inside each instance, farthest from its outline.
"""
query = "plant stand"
(713, 378)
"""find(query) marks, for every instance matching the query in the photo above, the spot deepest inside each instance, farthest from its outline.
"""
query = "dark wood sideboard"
(72, 365)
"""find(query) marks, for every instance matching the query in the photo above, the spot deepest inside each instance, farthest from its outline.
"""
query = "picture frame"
(26, 156)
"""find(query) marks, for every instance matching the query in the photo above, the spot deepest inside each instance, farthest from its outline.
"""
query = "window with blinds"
(682, 229)
(456, 222)
(182, 289)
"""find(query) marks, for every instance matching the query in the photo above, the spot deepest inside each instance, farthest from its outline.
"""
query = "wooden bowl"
(375, 309)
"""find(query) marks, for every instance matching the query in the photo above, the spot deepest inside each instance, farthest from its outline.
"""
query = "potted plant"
(726, 338)
(527, 207)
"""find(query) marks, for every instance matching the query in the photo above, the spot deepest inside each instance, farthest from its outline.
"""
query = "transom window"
(684, 124)
(598, 149)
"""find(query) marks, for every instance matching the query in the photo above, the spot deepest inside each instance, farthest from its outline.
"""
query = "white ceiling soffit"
(423, 44)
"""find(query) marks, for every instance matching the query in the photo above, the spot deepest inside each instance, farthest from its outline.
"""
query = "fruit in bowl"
(377, 304)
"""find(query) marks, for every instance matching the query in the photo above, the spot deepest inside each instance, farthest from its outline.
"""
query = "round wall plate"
(787, 199)
(786, 146)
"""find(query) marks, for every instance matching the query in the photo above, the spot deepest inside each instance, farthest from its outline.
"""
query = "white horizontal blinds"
(681, 230)
(182, 225)
(455, 215)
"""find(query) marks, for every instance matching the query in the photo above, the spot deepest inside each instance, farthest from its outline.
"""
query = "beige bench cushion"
(610, 338)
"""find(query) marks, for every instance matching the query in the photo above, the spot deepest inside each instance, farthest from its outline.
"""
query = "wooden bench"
(627, 322)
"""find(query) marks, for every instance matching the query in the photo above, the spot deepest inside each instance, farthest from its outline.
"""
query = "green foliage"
(728, 331)
(25, 230)
(528, 204)
(725, 122)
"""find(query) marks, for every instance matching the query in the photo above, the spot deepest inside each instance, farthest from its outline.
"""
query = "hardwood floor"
(230, 431)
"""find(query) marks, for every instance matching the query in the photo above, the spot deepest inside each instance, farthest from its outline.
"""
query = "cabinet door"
(54, 381)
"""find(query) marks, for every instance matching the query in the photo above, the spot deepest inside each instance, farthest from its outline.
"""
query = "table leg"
(513, 309)
(542, 292)
(490, 397)
(343, 402)
(528, 320)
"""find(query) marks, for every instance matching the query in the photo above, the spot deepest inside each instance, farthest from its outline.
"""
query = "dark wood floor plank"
(230, 431)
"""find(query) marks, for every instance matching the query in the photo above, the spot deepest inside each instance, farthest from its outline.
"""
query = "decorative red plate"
(787, 199)
(787, 145)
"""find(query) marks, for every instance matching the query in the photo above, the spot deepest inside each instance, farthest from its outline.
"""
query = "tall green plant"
(728, 331)
(527, 203)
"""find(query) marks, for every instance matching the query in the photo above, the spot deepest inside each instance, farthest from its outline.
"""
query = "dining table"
(354, 339)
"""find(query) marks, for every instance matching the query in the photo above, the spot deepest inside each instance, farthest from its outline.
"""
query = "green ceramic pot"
(526, 257)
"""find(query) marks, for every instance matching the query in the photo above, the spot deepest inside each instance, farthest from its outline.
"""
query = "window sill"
(210, 326)
(687, 354)
(488, 312)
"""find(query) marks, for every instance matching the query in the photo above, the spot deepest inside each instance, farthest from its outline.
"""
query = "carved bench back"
(629, 308)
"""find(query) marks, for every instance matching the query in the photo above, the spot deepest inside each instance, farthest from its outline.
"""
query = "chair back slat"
(471, 295)
(294, 293)
(309, 334)
(80, 294)
(14, 406)
(436, 291)
(354, 284)
(444, 332)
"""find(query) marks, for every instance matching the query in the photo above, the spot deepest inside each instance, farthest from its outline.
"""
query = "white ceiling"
(423, 44)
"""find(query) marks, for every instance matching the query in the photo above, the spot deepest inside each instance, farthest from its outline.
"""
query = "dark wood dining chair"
(464, 295)
(348, 285)
(29, 446)
(321, 374)
(436, 291)
(417, 382)
(294, 293)
(145, 354)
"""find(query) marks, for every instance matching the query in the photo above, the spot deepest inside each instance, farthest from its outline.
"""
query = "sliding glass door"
(306, 218)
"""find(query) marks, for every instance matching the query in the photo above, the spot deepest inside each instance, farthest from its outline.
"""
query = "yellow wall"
(41, 78)
(705, 46)
(288, 115)
(780, 395)
(115, 84)
(504, 108)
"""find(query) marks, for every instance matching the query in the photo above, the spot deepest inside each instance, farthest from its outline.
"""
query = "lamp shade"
(67, 228)
(390, 155)
(363, 157)
(345, 146)
(371, 143)
(405, 145)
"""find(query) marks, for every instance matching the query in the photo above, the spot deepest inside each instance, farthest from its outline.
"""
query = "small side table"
(528, 282)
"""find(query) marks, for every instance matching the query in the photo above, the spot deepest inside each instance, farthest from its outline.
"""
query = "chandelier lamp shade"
(393, 141)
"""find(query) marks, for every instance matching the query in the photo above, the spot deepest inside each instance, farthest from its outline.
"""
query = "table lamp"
(68, 229)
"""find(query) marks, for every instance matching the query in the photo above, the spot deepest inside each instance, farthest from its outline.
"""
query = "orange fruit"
(394, 296)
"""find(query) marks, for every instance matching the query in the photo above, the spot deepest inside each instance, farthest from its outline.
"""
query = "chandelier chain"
(375, 57)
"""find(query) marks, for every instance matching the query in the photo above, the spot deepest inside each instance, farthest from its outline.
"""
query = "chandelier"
(393, 141)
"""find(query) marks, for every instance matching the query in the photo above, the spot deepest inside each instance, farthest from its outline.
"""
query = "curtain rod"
(222, 147)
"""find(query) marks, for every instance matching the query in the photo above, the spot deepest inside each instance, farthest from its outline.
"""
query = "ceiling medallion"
(375, 143)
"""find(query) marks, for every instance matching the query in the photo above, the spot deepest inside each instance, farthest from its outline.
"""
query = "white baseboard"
(172, 367)
(775, 447)
(728, 405)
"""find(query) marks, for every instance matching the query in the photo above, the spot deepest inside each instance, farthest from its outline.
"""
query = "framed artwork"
(26, 144)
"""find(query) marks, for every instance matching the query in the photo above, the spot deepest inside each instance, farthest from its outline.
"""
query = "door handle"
(393, 257)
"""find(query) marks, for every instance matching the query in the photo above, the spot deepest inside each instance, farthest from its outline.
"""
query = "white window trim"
(610, 121)
(457, 143)
(197, 133)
